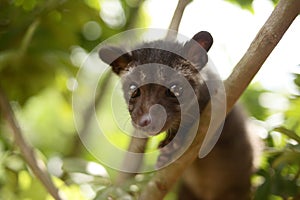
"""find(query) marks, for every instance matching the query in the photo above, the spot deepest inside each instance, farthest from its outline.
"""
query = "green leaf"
(291, 134)
(297, 80)
(286, 158)
(85, 167)
(250, 99)
(263, 191)
(245, 4)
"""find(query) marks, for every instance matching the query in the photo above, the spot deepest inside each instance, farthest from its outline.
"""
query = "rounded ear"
(196, 49)
(116, 57)
(205, 39)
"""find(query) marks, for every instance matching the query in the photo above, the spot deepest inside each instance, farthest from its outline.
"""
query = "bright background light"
(233, 30)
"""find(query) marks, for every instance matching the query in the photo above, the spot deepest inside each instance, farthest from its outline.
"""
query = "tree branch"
(261, 47)
(138, 145)
(174, 25)
(37, 167)
(88, 113)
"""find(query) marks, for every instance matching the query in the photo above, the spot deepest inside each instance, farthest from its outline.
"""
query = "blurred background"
(43, 45)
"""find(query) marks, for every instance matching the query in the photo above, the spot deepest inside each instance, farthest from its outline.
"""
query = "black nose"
(145, 120)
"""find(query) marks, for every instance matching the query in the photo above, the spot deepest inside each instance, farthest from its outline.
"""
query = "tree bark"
(261, 47)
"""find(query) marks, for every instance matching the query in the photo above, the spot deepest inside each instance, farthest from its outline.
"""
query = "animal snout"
(145, 120)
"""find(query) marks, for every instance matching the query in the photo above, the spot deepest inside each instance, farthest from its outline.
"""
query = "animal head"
(158, 78)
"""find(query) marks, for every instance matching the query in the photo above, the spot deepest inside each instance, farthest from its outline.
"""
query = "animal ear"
(205, 39)
(116, 57)
(196, 49)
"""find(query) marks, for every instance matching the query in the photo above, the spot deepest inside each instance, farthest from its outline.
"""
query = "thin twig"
(37, 167)
(261, 47)
(28, 36)
(174, 25)
(88, 113)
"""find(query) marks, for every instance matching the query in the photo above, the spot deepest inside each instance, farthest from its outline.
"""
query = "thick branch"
(266, 40)
(261, 47)
(26, 150)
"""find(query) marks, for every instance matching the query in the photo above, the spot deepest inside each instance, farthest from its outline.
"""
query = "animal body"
(159, 86)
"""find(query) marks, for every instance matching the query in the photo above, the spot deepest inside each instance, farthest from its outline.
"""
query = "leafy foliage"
(250, 99)
(37, 37)
(247, 4)
(42, 44)
(278, 175)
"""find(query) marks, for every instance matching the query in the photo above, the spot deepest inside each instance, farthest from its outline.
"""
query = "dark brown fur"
(225, 173)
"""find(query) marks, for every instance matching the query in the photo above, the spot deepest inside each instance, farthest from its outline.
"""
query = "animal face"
(154, 93)
(159, 85)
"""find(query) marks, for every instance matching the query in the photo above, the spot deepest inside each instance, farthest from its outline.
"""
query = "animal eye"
(169, 93)
(134, 91)
(174, 91)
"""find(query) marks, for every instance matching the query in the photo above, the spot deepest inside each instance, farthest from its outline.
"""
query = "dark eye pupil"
(136, 93)
(169, 93)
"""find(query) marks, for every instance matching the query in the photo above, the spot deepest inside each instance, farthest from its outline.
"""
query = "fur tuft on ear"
(116, 57)
(196, 49)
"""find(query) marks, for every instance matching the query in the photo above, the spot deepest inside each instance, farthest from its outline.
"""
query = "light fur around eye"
(134, 91)
(132, 87)
(176, 90)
